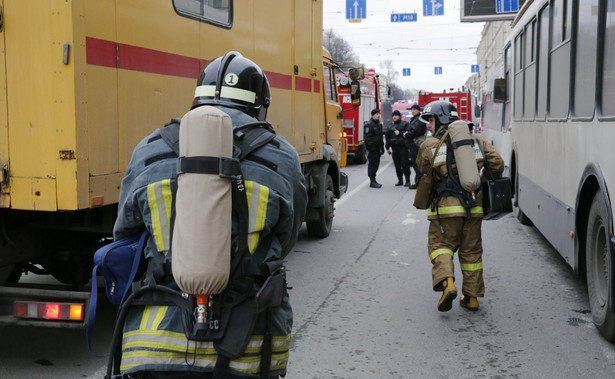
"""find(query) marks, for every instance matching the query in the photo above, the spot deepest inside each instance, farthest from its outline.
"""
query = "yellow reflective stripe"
(438, 252)
(132, 359)
(145, 317)
(258, 196)
(166, 346)
(159, 199)
(145, 332)
(161, 347)
(454, 209)
(472, 266)
(152, 317)
(162, 311)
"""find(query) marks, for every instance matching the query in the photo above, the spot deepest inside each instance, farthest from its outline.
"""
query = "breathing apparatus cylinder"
(465, 155)
(201, 242)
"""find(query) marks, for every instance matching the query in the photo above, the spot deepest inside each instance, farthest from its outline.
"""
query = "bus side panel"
(40, 91)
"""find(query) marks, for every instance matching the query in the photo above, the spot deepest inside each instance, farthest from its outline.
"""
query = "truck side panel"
(5, 199)
(40, 92)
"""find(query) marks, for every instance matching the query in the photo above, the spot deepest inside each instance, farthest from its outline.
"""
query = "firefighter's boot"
(448, 295)
(469, 302)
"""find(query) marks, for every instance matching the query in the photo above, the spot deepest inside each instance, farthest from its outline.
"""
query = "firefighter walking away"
(456, 211)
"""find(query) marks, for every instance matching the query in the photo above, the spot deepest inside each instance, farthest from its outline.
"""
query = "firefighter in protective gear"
(452, 226)
(154, 341)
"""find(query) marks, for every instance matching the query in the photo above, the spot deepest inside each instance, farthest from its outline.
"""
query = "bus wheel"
(322, 227)
(599, 267)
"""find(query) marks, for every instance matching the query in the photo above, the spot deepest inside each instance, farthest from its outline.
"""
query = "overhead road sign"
(406, 72)
(489, 10)
(355, 9)
(506, 6)
(403, 17)
(433, 7)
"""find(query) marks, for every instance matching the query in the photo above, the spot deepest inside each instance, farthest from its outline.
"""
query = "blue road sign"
(437, 70)
(355, 9)
(403, 17)
(506, 6)
(474, 68)
(406, 72)
(434, 7)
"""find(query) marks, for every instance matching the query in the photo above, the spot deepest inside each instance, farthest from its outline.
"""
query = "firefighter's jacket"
(154, 338)
(451, 206)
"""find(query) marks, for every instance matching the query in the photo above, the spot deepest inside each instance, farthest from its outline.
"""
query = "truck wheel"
(322, 227)
(361, 156)
(599, 268)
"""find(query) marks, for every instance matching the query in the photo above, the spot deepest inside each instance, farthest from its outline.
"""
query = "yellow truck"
(83, 81)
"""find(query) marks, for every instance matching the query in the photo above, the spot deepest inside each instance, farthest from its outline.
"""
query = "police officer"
(453, 227)
(374, 145)
(414, 137)
(154, 343)
(395, 141)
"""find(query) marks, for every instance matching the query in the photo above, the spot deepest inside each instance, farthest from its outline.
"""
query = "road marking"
(365, 183)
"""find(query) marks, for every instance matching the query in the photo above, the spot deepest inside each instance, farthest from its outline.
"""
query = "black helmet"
(236, 82)
(444, 111)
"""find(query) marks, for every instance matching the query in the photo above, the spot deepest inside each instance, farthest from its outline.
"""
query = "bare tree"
(391, 75)
(340, 49)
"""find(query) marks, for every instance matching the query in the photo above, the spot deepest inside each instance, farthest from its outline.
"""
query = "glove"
(382, 151)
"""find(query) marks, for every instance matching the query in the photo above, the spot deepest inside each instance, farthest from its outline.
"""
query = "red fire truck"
(464, 101)
(355, 117)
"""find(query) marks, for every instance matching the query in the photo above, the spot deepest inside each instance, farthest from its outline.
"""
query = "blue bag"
(119, 262)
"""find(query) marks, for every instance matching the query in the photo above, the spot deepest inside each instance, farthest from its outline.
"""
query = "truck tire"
(361, 156)
(322, 227)
(600, 268)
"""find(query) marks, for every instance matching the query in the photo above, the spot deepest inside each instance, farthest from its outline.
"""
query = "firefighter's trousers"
(463, 235)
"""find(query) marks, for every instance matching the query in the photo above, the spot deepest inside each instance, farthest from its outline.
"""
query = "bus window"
(217, 12)
(608, 74)
(543, 50)
(585, 68)
(559, 69)
(518, 88)
(529, 76)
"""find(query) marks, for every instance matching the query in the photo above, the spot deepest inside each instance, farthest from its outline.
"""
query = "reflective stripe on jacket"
(154, 337)
(450, 206)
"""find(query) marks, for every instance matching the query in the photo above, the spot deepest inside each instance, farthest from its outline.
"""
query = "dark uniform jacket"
(450, 206)
(154, 338)
(373, 135)
(396, 140)
(416, 130)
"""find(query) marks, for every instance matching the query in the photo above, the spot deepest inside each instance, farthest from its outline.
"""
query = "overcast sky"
(421, 45)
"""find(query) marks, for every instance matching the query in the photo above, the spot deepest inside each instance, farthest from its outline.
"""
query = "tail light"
(48, 310)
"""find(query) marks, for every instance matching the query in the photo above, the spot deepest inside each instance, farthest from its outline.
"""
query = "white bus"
(552, 115)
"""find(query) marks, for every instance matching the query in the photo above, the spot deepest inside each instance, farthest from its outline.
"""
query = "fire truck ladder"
(463, 107)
